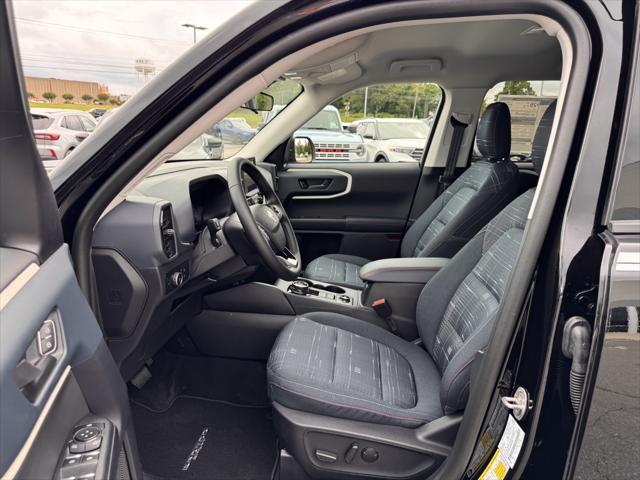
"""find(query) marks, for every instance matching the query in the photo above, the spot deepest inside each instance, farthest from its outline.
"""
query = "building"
(37, 86)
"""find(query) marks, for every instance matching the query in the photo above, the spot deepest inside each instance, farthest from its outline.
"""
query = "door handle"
(314, 183)
(30, 376)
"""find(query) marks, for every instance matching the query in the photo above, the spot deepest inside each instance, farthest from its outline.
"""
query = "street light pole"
(194, 27)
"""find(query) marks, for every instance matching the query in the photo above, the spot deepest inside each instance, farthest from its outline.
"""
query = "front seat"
(344, 368)
(456, 215)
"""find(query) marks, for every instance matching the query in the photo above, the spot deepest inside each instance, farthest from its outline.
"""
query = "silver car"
(58, 132)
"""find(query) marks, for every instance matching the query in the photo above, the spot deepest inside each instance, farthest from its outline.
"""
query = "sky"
(99, 40)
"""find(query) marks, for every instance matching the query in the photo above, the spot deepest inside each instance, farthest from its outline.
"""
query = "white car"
(59, 131)
(393, 139)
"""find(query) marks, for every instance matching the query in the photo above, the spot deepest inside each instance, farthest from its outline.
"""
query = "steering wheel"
(266, 225)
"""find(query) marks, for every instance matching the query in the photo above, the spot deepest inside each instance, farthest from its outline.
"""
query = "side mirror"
(212, 146)
(304, 151)
(262, 102)
(368, 136)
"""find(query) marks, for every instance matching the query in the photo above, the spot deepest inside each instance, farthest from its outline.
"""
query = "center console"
(321, 291)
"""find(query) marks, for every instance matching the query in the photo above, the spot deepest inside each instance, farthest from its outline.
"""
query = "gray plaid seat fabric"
(333, 365)
(456, 215)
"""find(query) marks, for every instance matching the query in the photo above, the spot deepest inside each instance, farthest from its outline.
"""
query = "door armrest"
(402, 270)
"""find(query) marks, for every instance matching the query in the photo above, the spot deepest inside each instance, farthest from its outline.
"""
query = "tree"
(516, 87)
(87, 98)
(114, 101)
(392, 100)
(67, 97)
(49, 96)
(103, 97)
(30, 95)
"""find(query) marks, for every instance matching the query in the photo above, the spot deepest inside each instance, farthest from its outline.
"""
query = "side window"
(527, 101)
(87, 124)
(404, 113)
(370, 131)
(72, 122)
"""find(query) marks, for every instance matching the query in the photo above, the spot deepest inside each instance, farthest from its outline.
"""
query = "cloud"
(100, 40)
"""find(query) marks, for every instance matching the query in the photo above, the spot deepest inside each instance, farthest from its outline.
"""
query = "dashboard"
(157, 249)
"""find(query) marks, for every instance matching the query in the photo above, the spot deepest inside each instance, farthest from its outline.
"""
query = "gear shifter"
(300, 287)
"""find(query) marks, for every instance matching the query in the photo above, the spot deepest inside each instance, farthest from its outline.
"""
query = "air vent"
(168, 234)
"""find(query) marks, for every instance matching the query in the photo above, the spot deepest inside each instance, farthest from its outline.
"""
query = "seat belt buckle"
(383, 310)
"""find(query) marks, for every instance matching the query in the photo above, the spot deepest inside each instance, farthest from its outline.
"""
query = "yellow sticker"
(496, 470)
(505, 456)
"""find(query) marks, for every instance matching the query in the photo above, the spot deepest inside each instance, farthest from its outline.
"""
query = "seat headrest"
(493, 137)
(541, 137)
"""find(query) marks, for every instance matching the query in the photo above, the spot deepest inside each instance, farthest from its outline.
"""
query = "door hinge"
(519, 403)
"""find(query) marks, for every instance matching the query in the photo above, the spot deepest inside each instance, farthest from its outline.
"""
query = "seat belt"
(454, 149)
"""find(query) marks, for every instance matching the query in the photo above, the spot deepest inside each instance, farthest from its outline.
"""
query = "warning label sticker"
(506, 454)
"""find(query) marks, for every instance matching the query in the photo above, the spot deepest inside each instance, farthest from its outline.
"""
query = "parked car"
(234, 130)
(205, 147)
(103, 118)
(98, 112)
(58, 132)
(393, 139)
(326, 131)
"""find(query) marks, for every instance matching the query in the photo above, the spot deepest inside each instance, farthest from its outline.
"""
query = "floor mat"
(203, 439)
(241, 382)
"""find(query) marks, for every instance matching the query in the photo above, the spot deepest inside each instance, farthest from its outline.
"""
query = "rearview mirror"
(304, 151)
(262, 102)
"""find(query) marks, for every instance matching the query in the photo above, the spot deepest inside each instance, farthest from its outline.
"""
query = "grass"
(70, 106)
(252, 119)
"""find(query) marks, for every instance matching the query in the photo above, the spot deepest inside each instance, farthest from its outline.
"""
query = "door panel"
(368, 220)
(62, 399)
(355, 209)
(37, 422)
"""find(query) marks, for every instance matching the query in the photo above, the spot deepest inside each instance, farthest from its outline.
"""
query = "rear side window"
(40, 122)
(87, 124)
(72, 122)
(527, 101)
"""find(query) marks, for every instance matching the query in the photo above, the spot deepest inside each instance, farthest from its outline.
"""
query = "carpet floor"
(205, 418)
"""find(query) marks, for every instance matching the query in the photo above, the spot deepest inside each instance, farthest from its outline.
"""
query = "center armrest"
(402, 270)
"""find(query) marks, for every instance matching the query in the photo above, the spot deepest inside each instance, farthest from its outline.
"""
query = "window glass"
(87, 124)
(94, 55)
(227, 137)
(527, 101)
(41, 122)
(380, 123)
(72, 122)
(389, 130)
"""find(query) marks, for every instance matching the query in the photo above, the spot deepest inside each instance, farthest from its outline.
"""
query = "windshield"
(389, 130)
(227, 137)
(325, 120)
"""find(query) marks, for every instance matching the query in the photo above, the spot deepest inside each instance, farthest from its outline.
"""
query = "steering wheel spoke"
(265, 224)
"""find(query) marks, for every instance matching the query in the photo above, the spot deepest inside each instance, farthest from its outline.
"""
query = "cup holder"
(331, 288)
